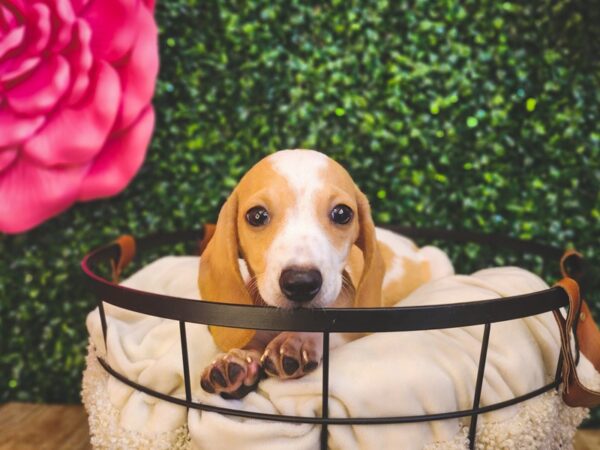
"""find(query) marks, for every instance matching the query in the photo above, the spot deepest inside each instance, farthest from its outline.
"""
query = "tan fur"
(368, 293)
(220, 278)
(265, 187)
(416, 273)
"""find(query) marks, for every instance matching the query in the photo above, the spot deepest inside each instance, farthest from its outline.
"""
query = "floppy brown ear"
(220, 279)
(369, 291)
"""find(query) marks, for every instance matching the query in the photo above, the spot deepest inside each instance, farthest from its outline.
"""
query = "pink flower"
(76, 80)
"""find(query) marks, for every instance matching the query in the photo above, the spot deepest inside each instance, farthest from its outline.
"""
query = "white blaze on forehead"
(302, 241)
(301, 168)
(302, 235)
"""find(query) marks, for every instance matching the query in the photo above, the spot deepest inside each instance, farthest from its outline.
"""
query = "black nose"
(300, 285)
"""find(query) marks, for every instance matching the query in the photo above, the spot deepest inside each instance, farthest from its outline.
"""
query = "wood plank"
(588, 439)
(27, 426)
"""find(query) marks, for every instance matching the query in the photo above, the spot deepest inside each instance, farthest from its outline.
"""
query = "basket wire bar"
(185, 361)
(479, 383)
(330, 320)
(390, 420)
(325, 390)
(103, 321)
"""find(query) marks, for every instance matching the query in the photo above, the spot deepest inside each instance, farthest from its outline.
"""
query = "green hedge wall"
(460, 114)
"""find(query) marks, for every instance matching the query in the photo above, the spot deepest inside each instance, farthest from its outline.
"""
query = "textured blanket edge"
(544, 422)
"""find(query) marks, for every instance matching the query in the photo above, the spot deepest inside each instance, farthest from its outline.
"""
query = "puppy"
(297, 232)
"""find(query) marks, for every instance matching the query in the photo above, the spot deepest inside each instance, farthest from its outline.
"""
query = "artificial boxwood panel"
(448, 113)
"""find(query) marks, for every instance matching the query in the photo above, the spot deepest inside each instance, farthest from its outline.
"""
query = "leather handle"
(208, 232)
(571, 264)
(126, 245)
(127, 248)
(579, 323)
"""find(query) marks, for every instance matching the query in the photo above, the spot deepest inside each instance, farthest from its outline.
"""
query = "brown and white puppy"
(297, 232)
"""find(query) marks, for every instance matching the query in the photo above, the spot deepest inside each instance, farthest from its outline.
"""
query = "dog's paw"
(292, 355)
(233, 374)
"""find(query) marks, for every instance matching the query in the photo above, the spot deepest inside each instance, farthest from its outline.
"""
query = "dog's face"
(296, 223)
(293, 218)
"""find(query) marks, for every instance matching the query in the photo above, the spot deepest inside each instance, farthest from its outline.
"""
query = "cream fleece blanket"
(384, 374)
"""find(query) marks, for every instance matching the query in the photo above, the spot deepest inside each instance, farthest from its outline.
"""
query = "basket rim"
(384, 319)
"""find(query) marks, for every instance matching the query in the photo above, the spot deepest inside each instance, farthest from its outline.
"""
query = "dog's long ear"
(220, 279)
(369, 291)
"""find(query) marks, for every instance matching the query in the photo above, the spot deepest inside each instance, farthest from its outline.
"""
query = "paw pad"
(290, 365)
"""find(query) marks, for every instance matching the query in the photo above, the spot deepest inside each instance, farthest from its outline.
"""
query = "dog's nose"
(300, 285)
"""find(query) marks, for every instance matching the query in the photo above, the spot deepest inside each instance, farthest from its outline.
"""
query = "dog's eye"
(257, 216)
(341, 214)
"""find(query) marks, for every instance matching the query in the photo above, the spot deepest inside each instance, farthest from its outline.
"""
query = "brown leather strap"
(126, 245)
(571, 264)
(587, 336)
(208, 232)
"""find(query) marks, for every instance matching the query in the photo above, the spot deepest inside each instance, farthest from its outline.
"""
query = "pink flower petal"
(6, 157)
(113, 22)
(150, 4)
(42, 91)
(10, 15)
(76, 135)
(20, 68)
(81, 59)
(5, 19)
(11, 41)
(64, 18)
(120, 159)
(138, 74)
(30, 194)
(17, 7)
(78, 5)
(40, 28)
(16, 129)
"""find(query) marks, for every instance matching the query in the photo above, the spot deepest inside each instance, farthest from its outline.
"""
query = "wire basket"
(326, 321)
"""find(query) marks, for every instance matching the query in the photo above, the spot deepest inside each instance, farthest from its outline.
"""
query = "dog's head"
(293, 219)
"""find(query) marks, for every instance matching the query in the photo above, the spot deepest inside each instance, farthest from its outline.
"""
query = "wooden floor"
(25, 426)
(587, 440)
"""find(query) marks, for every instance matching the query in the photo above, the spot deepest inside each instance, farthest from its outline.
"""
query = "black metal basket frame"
(326, 321)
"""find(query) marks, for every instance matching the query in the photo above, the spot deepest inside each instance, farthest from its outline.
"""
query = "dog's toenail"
(217, 377)
(310, 366)
(269, 366)
(304, 355)
(290, 365)
(233, 371)
(207, 386)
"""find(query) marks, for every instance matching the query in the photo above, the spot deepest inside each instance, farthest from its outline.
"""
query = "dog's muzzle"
(300, 285)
